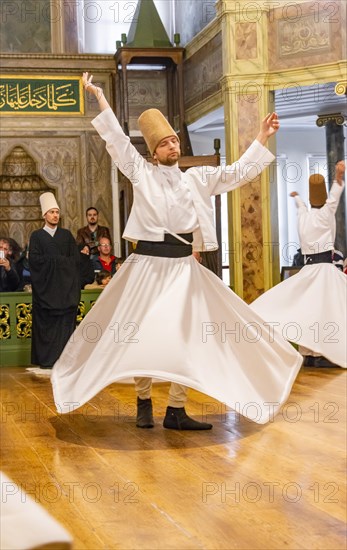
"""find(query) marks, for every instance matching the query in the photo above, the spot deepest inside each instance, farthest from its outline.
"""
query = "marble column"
(247, 99)
(335, 149)
(65, 27)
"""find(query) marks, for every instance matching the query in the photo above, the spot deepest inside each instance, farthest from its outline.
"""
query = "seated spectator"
(16, 249)
(23, 269)
(102, 279)
(9, 278)
(298, 259)
(105, 261)
(92, 232)
(86, 265)
(119, 263)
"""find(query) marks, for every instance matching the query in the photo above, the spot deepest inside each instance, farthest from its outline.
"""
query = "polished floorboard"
(239, 486)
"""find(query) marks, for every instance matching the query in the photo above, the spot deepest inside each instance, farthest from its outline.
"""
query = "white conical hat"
(154, 127)
(47, 201)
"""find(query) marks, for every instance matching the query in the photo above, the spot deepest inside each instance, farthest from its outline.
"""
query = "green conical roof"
(147, 29)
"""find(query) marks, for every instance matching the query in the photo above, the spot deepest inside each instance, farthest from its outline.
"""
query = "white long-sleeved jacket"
(317, 227)
(146, 220)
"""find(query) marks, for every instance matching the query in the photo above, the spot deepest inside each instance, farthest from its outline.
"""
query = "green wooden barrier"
(15, 324)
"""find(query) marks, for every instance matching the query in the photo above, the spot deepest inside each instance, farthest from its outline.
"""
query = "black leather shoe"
(144, 418)
(177, 419)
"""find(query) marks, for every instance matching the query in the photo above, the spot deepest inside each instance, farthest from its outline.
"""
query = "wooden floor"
(241, 485)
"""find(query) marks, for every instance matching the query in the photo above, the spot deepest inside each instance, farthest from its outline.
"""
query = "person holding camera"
(9, 278)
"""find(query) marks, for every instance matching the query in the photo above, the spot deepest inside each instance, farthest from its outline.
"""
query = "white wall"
(105, 20)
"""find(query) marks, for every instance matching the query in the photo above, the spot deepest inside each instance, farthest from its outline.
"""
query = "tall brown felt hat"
(317, 190)
(47, 202)
(154, 127)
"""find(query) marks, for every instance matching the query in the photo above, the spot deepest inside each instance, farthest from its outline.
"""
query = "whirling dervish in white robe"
(166, 316)
(310, 308)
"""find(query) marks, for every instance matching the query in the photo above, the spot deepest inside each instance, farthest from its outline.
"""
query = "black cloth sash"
(170, 247)
(320, 258)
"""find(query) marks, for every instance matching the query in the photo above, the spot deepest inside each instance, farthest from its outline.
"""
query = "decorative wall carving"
(299, 34)
(96, 184)
(59, 168)
(20, 188)
(341, 88)
(202, 72)
(303, 36)
(337, 118)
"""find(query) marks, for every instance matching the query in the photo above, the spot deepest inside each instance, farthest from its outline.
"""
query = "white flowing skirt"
(174, 320)
(309, 309)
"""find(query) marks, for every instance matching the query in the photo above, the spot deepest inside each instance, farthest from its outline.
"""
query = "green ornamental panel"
(23, 318)
(16, 324)
(5, 327)
(41, 95)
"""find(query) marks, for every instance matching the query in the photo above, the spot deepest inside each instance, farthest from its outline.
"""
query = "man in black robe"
(55, 274)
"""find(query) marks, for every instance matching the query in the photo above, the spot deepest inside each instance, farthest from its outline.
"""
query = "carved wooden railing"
(15, 324)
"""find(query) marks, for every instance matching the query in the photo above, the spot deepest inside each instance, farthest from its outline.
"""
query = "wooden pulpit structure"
(149, 73)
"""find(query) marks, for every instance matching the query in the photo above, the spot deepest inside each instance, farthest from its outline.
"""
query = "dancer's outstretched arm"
(269, 126)
(95, 90)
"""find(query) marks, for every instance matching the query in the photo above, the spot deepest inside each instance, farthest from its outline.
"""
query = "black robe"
(86, 268)
(55, 275)
(9, 280)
